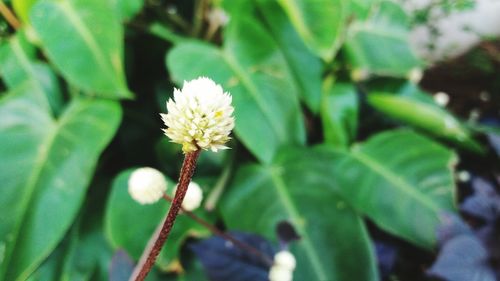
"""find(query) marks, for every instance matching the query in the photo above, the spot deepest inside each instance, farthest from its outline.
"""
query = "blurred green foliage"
(299, 75)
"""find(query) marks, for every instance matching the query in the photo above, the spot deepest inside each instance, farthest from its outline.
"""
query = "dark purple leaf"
(286, 233)
(463, 258)
(451, 227)
(386, 257)
(121, 266)
(484, 203)
(224, 261)
(490, 236)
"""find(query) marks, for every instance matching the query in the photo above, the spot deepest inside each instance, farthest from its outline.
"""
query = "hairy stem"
(242, 245)
(151, 253)
(9, 16)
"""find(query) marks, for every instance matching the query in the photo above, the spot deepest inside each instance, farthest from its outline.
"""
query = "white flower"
(199, 116)
(285, 259)
(283, 266)
(278, 273)
(146, 185)
(193, 198)
(441, 98)
(415, 75)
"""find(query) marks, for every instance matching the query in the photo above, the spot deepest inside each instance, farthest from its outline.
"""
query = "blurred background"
(367, 137)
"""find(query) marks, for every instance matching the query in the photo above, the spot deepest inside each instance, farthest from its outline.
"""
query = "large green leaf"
(296, 53)
(334, 243)
(320, 23)
(127, 9)
(379, 44)
(402, 181)
(122, 209)
(420, 110)
(45, 169)
(22, 8)
(18, 66)
(339, 112)
(84, 40)
(264, 95)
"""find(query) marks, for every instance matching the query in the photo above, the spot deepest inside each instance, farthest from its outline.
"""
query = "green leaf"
(402, 181)
(22, 8)
(264, 95)
(84, 40)
(122, 209)
(334, 240)
(320, 23)
(339, 113)
(296, 53)
(45, 169)
(420, 110)
(127, 9)
(360, 9)
(18, 66)
(379, 44)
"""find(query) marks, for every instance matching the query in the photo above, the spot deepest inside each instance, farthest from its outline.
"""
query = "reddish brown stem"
(186, 174)
(9, 16)
(224, 235)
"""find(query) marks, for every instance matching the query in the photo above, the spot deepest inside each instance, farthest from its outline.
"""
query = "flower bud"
(146, 185)
(193, 198)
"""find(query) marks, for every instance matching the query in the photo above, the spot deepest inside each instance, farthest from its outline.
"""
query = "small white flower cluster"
(147, 186)
(199, 116)
(283, 267)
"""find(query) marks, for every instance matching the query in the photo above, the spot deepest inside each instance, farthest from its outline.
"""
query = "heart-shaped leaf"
(306, 198)
(223, 260)
(400, 180)
(320, 23)
(46, 167)
(379, 44)
(84, 40)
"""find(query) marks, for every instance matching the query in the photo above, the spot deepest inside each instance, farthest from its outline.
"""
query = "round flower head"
(199, 116)
(279, 273)
(193, 198)
(146, 185)
(285, 259)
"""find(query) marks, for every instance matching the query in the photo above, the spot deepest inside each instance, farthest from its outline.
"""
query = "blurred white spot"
(463, 176)
(415, 75)
(474, 114)
(448, 35)
(441, 98)
(484, 96)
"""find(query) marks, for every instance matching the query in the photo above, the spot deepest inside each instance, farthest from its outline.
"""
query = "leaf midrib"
(86, 35)
(396, 181)
(43, 152)
(26, 66)
(254, 92)
(290, 208)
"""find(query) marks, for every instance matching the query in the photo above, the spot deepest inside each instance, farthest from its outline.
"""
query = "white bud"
(279, 273)
(441, 98)
(285, 259)
(415, 75)
(218, 17)
(146, 185)
(193, 198)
